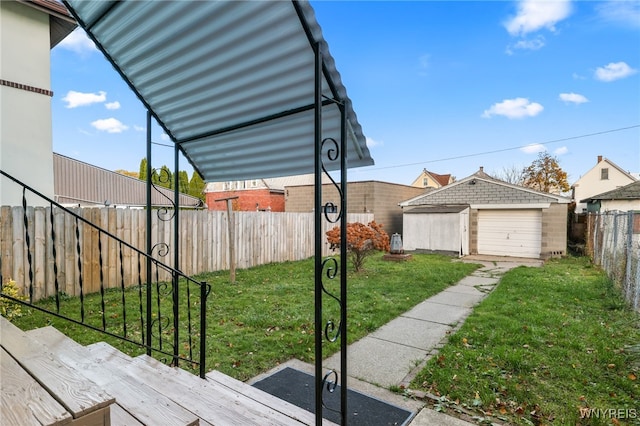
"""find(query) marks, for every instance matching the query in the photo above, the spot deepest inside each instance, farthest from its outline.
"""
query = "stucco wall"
(379, 198)
(25, 116)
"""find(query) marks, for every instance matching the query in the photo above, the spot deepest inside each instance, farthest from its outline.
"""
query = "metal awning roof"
(231, 82)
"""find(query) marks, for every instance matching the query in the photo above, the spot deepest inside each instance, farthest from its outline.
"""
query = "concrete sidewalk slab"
(377, 361)
(474, 280)
(437, 312)
(457, 299)
(428, 417)
(412, 332)
(466, 289)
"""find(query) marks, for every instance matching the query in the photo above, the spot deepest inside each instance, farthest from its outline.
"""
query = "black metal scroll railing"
(92, 278)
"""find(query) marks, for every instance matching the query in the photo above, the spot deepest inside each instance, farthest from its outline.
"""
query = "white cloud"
(532, 44)
(371, 142)
(78, 42)
(560, 151)
(573, 98)
(626, 13)
(514, 108)
(534, 15)
(75, 99)
(614, 71)
(165, 137)
(112, 105)
(533, 148)
(139, 128)
(109, 125)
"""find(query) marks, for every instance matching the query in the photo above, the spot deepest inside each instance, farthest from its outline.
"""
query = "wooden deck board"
(281, 405)
(142, 402)
(210, 401)
(71, 389)
(16, 387)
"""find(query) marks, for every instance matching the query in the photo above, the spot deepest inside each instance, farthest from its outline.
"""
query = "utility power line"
(477, 154)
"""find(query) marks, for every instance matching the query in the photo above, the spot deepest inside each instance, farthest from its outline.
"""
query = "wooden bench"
(25, 359)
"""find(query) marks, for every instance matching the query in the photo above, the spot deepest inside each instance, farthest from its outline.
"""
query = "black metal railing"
(111, 288)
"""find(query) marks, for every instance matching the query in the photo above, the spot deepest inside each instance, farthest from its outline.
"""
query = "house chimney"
(481, 168)
(599, 158)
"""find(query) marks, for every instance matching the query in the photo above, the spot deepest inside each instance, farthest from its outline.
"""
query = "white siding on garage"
(510, 232)
(436, 231)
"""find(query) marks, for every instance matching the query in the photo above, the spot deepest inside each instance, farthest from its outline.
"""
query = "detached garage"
(482, 215)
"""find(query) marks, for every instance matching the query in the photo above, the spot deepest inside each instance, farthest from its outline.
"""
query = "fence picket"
(261, 238)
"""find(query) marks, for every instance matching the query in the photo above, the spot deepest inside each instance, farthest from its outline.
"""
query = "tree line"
(165, 178)
(543, 174)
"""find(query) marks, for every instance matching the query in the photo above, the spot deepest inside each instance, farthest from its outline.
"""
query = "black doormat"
(298, 388)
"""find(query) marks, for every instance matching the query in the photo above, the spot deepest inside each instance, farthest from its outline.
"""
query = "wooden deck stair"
(133, 391)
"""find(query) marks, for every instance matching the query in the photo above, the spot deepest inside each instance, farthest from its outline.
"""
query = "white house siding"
(25, 118)
(444, 232)
(510, 232)
(591, 183)
(619, 205)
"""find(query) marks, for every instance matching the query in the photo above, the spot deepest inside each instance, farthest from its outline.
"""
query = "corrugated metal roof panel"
(76, 182)
(206, 67)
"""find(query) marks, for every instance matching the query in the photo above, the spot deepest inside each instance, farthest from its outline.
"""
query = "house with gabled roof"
(624, 199)
(432, 180)
(266, 194)
(483, 215)
(603, 177)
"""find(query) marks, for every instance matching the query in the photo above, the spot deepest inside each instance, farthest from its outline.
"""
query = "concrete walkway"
(393, 354)
(397, 351)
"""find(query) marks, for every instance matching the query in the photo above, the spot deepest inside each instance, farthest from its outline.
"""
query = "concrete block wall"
(379, 198)
(473, 231)
(554, 231)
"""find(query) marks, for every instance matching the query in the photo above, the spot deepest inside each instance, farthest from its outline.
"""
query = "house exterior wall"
(554, 231)
(25, 119)
(248, 200)
(379, 198)
(591, 183)
(620, 205)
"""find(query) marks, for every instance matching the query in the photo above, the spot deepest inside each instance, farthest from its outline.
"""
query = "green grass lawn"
(546, 342)
(266, 318)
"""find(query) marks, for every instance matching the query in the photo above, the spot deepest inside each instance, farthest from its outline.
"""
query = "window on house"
(425, 182)
(604, 173)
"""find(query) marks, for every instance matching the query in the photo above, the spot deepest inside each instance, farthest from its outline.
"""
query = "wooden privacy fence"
(84, 252)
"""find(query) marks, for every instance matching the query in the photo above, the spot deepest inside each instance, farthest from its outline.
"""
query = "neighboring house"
(254, 194)
(30, 29)
(624, 199)
(79, 184)
(379, 198)
(604, 176)
(483, 215)
(432, 180)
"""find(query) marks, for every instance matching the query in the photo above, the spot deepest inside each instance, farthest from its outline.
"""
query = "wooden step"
(16, 387)
(263, 397)
(137, 399)
(209, 400)
(79, 395)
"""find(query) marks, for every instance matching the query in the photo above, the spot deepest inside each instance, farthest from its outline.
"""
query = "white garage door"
(510, 232)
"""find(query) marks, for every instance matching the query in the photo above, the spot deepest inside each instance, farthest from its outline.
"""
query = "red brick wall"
(248, 200)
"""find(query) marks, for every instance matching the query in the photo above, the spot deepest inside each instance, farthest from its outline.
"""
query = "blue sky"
(448, 86)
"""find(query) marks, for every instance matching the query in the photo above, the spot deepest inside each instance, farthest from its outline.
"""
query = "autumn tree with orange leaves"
(362, 241)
